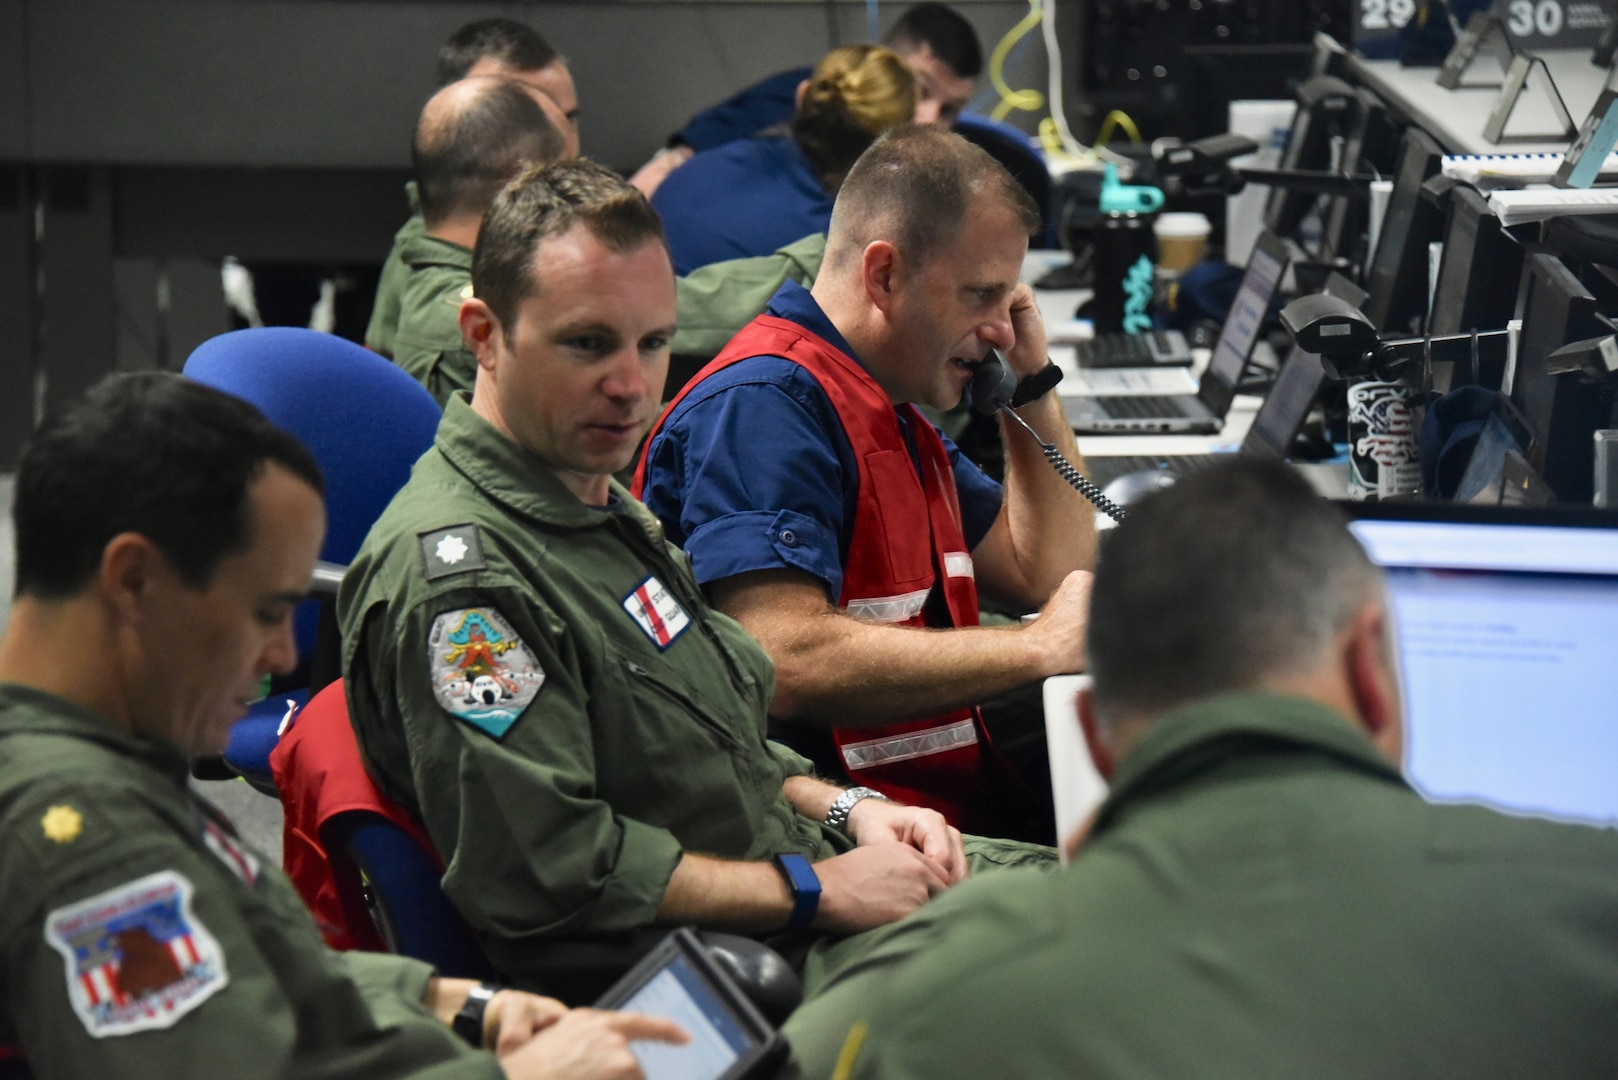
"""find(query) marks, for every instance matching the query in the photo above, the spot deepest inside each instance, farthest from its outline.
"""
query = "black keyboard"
(1142, 407)
(1157, 347)
(1104, 470)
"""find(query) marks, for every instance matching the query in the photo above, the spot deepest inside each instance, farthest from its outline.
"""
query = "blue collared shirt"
(754, 472)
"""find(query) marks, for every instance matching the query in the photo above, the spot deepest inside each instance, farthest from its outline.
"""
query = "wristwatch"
(468, 1023)
(1036, 385)
(805, 885)
(837, 816)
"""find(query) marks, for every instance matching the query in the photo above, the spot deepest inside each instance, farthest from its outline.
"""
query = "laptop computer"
(1275, 426)
(1202, 413)
(1152, 349)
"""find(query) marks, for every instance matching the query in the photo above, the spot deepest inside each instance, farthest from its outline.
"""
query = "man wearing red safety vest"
(823, 511)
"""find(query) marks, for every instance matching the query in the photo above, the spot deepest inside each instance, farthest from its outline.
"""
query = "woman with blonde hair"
(752, 196)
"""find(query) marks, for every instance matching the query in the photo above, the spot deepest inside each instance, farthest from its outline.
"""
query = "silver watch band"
(843, 805)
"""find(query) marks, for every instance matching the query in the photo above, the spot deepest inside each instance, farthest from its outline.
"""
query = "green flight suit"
(143, 939)
(625, 722)
(717, 300)
(427, 343)
(385, 308)
(1261, 896)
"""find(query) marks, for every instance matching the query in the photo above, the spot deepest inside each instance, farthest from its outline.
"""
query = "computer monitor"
(1480, 270)
(1397, 278)
(1507, 626)
(1327, 132)
(1562, 411)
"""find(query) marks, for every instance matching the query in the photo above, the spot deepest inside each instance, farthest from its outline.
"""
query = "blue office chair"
(1012, 149)
(366, 422)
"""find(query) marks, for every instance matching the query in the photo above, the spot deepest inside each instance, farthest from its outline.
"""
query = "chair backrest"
(363, 866)
(1021, 160)
(364, 420)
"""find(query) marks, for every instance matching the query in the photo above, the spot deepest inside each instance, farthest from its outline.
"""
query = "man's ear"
(799, 94)
(1373, 679)
(130, 566)
(879, 272)
(480, 330)
(1100, 751)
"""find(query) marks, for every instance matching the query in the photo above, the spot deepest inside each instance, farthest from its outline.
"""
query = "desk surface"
(1456, 117)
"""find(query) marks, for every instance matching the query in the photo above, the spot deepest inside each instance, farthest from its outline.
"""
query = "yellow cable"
(1026, 100)
(850, 1051)
(1117, 119)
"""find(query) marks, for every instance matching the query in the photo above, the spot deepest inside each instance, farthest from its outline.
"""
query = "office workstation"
(727, 540)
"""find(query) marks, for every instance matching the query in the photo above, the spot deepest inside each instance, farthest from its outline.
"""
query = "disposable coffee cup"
(1181, 240)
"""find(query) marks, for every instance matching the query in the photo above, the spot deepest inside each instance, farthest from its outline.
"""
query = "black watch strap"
(1036, 385)
(468, 1023)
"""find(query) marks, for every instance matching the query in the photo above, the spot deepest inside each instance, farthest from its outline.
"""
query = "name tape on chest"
(137, 957)
(657, 612)
(483, 674)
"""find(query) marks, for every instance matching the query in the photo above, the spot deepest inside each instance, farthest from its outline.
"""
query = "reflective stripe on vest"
(959, 564)
(863, 755)
(889, 609)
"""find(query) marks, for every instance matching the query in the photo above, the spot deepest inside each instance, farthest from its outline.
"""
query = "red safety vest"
(892, 566)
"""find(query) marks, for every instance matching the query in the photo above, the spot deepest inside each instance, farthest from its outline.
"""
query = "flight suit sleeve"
(502, 752)
(130, 952)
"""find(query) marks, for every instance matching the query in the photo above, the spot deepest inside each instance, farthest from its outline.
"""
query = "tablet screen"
(679, 993)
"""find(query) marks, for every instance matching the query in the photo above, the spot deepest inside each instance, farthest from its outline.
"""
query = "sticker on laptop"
(138, 959)
(657, 612)
(483, 674)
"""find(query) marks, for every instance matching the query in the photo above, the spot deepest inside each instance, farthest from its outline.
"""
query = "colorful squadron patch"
(482, 672)
(657, 612)
(137, 958)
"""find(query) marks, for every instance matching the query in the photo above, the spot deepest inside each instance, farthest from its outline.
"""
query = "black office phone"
(992, 388)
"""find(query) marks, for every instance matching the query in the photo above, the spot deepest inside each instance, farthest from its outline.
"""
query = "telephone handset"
(993, 387)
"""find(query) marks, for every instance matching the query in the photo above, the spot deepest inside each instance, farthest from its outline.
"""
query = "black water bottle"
(1126, 252)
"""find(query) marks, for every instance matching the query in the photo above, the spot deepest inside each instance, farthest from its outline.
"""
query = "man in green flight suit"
(532, 670)
(165, 532)
(485, 47)
(472, 137)
(1261, 894)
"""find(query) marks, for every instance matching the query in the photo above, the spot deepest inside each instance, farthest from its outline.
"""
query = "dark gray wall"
(337, 83)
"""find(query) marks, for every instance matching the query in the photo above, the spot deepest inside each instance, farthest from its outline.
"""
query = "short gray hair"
(1236, 573)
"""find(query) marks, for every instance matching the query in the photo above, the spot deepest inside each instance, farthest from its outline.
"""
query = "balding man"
(842, 529)
(1261, 895)
(483, 48)
(472, 137)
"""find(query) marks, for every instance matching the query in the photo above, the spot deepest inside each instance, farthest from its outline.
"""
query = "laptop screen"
(1508, 640)
(1265, 268)
(1287, 404)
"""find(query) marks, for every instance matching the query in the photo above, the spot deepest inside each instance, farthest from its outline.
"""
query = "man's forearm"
(838, 670)
(748, 897)
(1051, 527)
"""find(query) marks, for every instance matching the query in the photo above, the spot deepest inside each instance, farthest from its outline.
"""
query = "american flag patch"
(137, 958)
(657, 612)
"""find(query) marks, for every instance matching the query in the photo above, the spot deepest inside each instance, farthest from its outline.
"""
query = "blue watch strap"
(805, 885)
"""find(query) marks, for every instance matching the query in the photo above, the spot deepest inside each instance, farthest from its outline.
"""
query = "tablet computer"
(680, 981)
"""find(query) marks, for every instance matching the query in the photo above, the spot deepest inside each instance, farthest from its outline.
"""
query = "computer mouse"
(1132, 487)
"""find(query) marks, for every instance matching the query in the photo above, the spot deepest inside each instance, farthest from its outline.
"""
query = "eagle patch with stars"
(482, 672)
(454, 550)
(138, 959)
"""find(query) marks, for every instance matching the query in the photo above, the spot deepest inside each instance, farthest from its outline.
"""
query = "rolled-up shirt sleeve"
(748, 476)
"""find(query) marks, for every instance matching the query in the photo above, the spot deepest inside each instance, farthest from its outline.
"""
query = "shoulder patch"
(454, 550)
(657, 613)
(482, 672)
(229, 850)
(137, 957)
